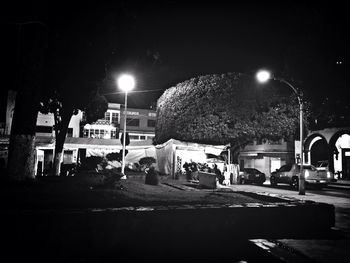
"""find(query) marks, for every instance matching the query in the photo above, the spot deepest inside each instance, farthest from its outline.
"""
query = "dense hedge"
(226, 108)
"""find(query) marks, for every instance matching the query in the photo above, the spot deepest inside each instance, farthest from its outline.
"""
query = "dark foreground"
(62, 220)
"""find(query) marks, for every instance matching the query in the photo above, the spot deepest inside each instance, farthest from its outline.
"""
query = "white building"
(267, 155)
(99, 138)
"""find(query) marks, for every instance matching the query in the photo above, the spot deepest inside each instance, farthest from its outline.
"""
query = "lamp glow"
(126, 82)
(263, 76)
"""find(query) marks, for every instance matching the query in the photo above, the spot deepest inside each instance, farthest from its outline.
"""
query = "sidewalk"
(334, 249)
(342, 182)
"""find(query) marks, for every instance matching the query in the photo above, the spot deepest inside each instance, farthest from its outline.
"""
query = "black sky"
(166, 42)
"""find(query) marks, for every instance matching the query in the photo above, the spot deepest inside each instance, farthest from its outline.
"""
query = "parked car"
(324, 166)
(289, 174)
(251, 176)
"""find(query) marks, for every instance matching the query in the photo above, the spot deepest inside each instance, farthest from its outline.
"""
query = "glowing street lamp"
(264, 76)
(126, 83)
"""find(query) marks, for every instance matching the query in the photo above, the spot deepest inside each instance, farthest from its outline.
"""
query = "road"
(316, 249)
(337, 195)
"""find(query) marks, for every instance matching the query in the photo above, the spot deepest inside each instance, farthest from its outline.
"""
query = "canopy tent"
(101, 147)
(172, 154)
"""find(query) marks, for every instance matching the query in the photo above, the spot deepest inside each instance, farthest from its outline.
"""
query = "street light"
(263, 76)
(126, 83)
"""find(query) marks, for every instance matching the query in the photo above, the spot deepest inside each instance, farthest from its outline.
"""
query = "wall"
(266, 156)
(143, 115)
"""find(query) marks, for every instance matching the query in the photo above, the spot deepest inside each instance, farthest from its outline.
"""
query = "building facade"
(331, 145)
(88, 138)
(267, 155)
(140, 124)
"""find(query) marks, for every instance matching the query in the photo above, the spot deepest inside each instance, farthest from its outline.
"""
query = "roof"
(182, 145)
(105, 142)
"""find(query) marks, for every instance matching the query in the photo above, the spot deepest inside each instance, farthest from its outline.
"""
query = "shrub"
(224, 108)
(116, 156)
(90, 163)
(147, 161)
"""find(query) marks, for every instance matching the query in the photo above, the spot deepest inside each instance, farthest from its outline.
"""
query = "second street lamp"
(264, 76)
(126, 83)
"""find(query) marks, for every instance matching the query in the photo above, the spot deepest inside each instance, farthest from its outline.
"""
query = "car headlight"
(306, 173)
(329, 175)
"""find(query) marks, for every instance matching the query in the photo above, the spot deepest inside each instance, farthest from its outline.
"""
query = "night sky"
(166, 42)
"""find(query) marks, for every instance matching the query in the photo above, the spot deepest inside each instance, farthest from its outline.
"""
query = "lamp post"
(126, 83)
(264, 76)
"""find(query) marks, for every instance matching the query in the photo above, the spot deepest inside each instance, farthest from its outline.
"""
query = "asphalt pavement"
(335, 248)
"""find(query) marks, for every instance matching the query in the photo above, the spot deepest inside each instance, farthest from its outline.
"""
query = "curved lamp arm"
(292, 87)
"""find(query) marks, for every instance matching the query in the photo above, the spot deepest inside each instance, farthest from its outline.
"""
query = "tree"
(75, 65)
(332, 111)
(226, 108)
(32, 48)
(63, 108)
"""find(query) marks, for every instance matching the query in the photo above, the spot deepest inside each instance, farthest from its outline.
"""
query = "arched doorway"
(319, 151)
(340, 149)
(316, 149)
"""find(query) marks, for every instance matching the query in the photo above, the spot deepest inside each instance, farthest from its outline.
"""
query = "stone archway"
(316, 149)
(339, 146)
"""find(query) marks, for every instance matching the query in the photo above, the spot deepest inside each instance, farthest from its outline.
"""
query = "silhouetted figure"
(186, 166)
(194, 171)
(151, 176)
(219, 175)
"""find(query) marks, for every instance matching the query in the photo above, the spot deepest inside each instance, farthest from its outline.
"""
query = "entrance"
(319, 152)
(346, 164)
(275, 164)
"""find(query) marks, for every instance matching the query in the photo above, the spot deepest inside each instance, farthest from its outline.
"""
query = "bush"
(68, 169)
(90, 163)
(147, 161)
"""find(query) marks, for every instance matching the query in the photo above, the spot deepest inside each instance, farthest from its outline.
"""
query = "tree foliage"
(147, 161)
(332, 111)
(63, 108)
(116, 156)
(226, 108)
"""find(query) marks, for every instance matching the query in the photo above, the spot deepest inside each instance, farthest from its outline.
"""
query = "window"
(44, 129)
(86, 133)
(133, 137)
(67, 157)
(142, 137)
(114, 134)
(102, 133)
(70, 132)
(305, 167)
(115, 117)
(91, 133)
(107, 116)
(241, 165)
(285, 168)
(151, 123)
(132, 122)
